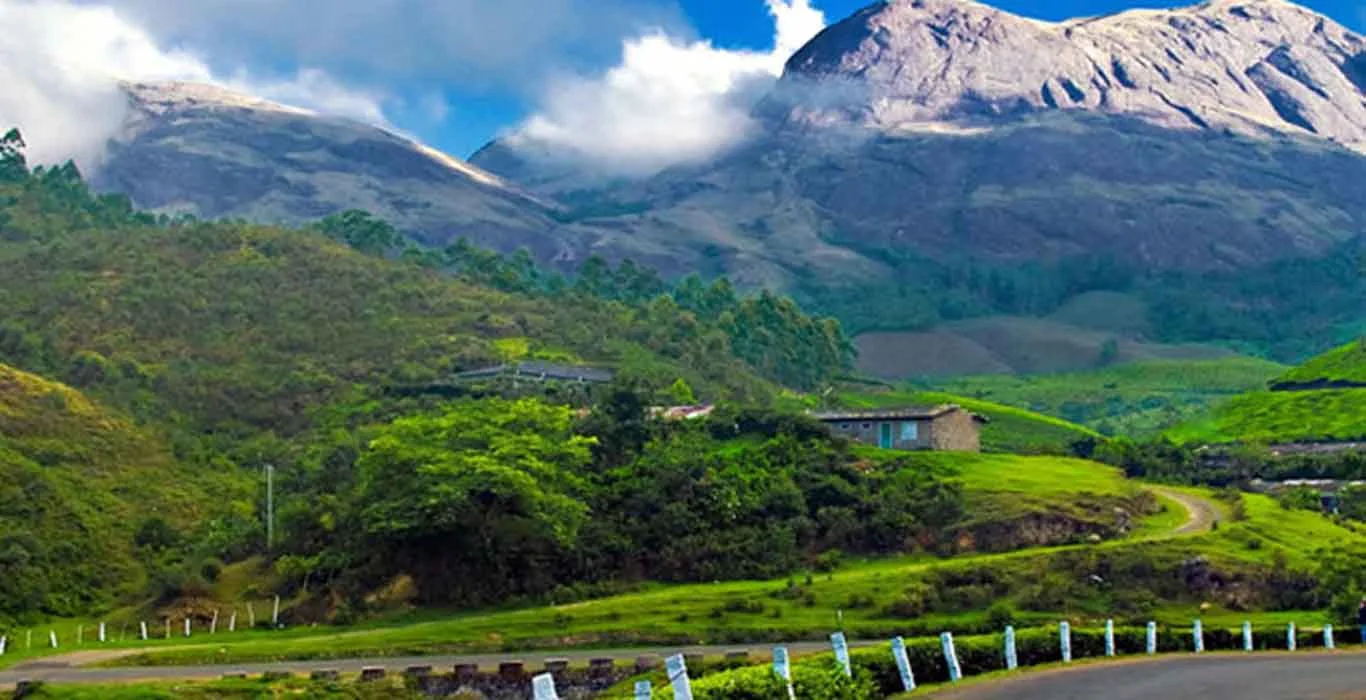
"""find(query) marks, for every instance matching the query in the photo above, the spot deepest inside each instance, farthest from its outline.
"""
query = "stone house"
(947, 428)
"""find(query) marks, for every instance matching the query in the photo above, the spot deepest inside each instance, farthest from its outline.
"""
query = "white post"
(841, 647)
(103, 638)
(1328, 637)
(142, 630)
(782, 666)
(1012, 659)
(1065, 641)
(275, 616)
(677, 668)
(1109, 637)
(1199, 633)
(1247, 636)
(1290, 637)
(213, 624)
(543, 687)
(903, 665)
(187, 627)
(4, 643)
(951, 656)
(644, 690)
(52, 637)
(232, 621)
(1152, 638)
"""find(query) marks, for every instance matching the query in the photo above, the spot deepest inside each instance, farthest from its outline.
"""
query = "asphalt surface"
(66, 670)
(1259, 676)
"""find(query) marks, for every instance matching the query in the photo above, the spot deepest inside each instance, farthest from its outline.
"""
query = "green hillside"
(1138, 400)
(1315, 402)
(76, 480)
(1010, 429)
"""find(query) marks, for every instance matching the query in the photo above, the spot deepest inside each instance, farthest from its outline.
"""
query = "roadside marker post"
(213, 624)
(1109, 637)
(232, 621)
(52, 637)
(1198, 631)
(168, 628)
(1328, 637)
(677, 668)
(187, 627)
(1012, 659)
(4, 644)
(275, 616)
(251, 615)
(543, 687)
(903, 664)
(951, 657)
(103, 638)
(142, 630)
(1065, 641)
(643, 690)
(1290, 637)
(1247, 636)
(28, 640)
(842, 653)
(782, 665)
(1152, 638)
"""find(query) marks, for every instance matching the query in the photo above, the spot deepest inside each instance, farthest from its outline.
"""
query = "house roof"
(682, 412)
(543, 370)
(910, 413)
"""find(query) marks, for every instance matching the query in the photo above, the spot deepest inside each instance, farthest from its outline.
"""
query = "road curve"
(1201, 513)
(1260, 676)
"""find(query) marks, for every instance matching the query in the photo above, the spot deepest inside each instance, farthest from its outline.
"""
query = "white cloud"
(60, 64)
(668, 101)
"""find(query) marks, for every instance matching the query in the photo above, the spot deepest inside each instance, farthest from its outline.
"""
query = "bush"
(1000, 615)
(818, 679)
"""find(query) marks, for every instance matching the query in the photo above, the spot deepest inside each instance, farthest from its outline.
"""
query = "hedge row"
(876, 676)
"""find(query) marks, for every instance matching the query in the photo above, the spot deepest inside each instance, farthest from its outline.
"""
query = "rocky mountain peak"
(1251, 66)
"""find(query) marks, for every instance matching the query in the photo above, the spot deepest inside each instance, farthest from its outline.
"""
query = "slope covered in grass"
(75, 479)
(1137, 400)
(1010, 429)
(1274, 417)
(1345, 365)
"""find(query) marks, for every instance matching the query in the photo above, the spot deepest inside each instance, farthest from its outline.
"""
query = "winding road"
(1202, 512)
(1260, 676)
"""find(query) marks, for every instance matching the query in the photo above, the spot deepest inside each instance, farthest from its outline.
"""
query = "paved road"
(1202, 514)
(67, 669)
(1263, 676)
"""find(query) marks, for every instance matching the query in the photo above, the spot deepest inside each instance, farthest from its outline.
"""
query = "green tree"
(362, 231)
(13, 166)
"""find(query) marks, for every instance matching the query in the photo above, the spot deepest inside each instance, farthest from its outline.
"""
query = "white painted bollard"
(841, 647)
(903, 664)
(4, 645)
(52, 637)
(1152, 638)
(543, 687)
(142, 630)
(677, 668)
(103, 638)
(1109, 637)
(782, 666)
(950, 656)
(1065, 641)
(1012, 659)
(1247, 636)
(644, 690)
(1198, 631)
(275, 616)
(187, 627)
(1290, 637)
(213, 624)
(232, 621)
(1328, 637)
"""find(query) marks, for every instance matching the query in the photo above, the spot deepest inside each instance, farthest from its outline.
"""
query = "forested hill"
(239, 328)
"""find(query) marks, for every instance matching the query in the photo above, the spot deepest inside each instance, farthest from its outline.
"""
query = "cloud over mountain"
(668, 101)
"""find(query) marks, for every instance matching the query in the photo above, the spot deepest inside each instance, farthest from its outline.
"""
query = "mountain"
(207, 151)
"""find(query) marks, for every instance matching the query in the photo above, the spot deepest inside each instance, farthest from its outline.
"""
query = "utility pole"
(270, 507)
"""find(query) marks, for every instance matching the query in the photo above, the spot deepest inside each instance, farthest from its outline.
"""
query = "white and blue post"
(842, 653)
(782, 666)
(1247, 636)
(543, 687)
(1290, 637)
(951, 657)
(903, 664)
(1109, 637)
(677, 669)
(1198, 631)
(1152, 638)
(1065, 641)
(1328, 637)
(644, 690)
(1012, 660)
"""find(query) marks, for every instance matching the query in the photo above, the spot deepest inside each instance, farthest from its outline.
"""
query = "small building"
(947, 428)
(540, 372)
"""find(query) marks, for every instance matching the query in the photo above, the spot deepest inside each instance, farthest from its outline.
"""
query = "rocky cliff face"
(1252, 66)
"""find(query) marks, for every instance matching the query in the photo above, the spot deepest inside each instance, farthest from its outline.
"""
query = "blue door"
(884, 436)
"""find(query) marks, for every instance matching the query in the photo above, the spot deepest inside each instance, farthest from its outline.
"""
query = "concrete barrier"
(556, 665)
(601, 666)
(465, 672)
(326, 674)
(371, 673)
(417, 671)
(275, 676)
(512, 670)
